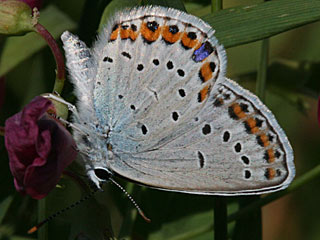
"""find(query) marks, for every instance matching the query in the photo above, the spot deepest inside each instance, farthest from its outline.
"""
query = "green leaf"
(18, 49)
(240, 25)
(4, 206)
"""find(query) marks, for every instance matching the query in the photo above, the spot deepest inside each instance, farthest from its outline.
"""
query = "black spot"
(132, 107)
(232, 113)
(218, 102)
(124, 27)
(277, 154)
(245, 159)
(182, 93)
(226, 96)
(180, 72)
(270, 137)
(169, 65)
(258, 122)
(212, 66)
(85, 139)
(192, 35)
(266, 156)
(201, 159)
(278, 171)
(99, 83)
(140, 67)
(196, 119)
(115, 27)
(126, 54)
(259, 140)
(144, 129)
(152, 26)
(155, 62)
(199, 97)
(267, 173)
(208, 47)
(108, 59)
(237, 147)
(133, 27)
(247, 174)
(173, 29)
(247, 127)
(226, 136)
(120, 96)
(206, 129)
(244, 107)
(201, 77)
(175, 116)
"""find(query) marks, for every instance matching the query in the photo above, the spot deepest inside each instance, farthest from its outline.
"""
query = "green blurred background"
(292, 92)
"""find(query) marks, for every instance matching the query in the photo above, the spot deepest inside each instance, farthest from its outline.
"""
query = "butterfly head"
(99, 175)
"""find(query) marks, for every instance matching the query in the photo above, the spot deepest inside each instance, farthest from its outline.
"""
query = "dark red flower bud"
(39, 148)
(33, 3)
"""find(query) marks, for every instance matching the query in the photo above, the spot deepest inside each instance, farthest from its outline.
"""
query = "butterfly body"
(156, 108)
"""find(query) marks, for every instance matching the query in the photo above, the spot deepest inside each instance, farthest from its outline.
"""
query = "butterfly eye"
(102, 174)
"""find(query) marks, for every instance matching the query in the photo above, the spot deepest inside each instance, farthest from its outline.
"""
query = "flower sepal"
(16, 18)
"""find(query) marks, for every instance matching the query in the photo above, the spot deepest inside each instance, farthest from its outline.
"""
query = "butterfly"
(155, 107)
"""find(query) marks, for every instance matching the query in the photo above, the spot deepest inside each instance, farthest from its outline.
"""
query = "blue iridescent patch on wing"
(202, 52)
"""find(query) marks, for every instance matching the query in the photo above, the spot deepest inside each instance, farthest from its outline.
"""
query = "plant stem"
(262, 70)
(60, 77)
(220, 218)
(216, 5)
(43, 231)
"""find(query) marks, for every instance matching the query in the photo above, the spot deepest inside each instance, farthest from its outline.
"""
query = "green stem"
(1, 131)
(43, 231)
(216, 5)
(60, 76)
(220, 218)
(262, 70)
(299, 182)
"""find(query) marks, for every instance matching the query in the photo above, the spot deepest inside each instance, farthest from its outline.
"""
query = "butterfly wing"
(176, 122)
(232, 146)
(82, 69)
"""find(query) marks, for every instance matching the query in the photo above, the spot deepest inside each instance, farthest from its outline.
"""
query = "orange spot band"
(169, 37)
(203, 93)
(270, 173)
(188, 42)
(114, 34)
(271, 158)
(149, 35)
(205, 72)
(238, 111)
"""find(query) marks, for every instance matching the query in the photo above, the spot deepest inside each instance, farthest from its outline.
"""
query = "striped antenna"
(131, 199)
(88, 196)
(35, 228)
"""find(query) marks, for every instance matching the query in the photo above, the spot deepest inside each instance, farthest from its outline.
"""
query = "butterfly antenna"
(88, 196)
(131, 199)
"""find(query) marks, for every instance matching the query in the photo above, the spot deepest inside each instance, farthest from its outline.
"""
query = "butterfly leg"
(72, 108)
